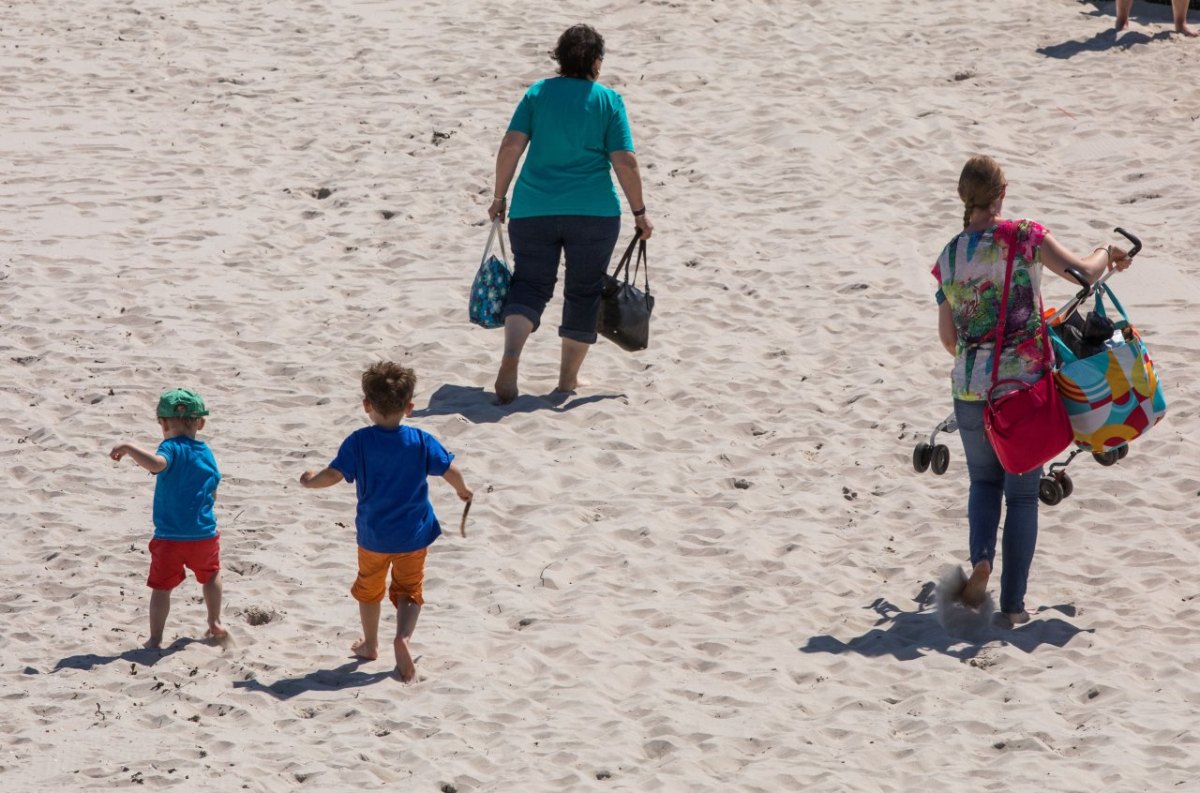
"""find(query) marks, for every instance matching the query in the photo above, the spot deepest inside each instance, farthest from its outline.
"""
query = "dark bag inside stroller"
(1086, 337)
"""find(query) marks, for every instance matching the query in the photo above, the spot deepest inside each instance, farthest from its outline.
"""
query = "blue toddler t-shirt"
(185, 491)
(389, 469)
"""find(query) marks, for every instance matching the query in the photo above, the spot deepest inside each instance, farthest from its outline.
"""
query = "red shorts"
(168, 558)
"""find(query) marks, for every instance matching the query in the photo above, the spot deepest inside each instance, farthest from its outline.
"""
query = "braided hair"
(979, 185)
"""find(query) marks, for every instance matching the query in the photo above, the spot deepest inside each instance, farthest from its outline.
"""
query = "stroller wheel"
(1065, 483)
(1122, 451)
(941, 459)
(1107, 458)
(1050, 491)
(922, 454)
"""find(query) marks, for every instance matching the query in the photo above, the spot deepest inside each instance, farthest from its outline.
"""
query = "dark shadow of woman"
(480, 407)
(908, 635)
(1101, 42)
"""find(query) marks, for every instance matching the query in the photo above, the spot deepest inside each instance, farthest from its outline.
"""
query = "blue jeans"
(537, 245)
(989, 481)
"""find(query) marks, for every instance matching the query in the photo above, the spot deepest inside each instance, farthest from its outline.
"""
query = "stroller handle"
(1089, 288)
(1083, 282)
(1137, 244)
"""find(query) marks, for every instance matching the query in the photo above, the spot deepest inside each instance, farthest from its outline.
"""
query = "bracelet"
(498, 198)
(637, 213)
(1107, 252)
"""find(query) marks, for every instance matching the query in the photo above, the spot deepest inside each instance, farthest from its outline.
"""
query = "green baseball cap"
(180, 403)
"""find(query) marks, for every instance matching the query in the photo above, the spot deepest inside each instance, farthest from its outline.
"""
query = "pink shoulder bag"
(1027, 426)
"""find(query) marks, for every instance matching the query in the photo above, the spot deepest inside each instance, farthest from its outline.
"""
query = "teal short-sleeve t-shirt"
(573, 125)
(185, 491)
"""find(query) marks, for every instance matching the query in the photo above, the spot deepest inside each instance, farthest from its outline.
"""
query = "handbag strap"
(1002, 324)
(1106, 290)
(627, 257)
(642, 261)
(492, 236)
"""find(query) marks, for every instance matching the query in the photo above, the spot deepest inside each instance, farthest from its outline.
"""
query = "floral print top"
(970, 276)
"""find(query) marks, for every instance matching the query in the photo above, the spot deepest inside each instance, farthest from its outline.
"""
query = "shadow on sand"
(1101, 42)
(479, 406)
(140, 656)
(339, 679)
(908, 635)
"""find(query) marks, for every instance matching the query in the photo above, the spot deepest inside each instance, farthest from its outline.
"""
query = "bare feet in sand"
(506, 380)
(975, 590)
(569, 388)
(153, 644)
(361, 649)
(1014, 618)
(219, 635)
(406, 669)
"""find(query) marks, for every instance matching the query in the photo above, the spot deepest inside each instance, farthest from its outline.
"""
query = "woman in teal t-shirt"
(576, 130)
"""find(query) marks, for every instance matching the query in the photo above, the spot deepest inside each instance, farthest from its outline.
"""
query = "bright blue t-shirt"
(388, 468)
(184, 491)
(572, 125)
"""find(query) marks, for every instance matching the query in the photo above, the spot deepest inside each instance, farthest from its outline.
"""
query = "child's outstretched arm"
(326, 478)
(455, 478)
(151, 462)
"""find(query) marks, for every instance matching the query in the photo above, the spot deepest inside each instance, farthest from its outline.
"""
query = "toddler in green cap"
(185, 529)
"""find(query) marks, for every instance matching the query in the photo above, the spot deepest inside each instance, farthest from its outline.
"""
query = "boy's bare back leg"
(406, 623)
(1179, 9)
(160, 607)
(212, 602)
(368, 646)
(1123, 8)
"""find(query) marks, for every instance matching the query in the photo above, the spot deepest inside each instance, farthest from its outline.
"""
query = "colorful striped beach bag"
(489, 290)
(1114, 395)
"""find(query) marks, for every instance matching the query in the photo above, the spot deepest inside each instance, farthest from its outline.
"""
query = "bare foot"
(976, 588)
(361, 649)
(219, 635)
(506, 380)
(406, 669)
(569, 388)
(1185, 30)
(1122, 24)
(153, 643)
(1017, 617)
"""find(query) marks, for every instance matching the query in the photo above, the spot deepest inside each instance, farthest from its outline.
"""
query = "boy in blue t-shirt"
(185, 529)
(388, 463)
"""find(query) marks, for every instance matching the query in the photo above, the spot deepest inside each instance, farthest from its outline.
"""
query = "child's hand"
(119, 451)
(327, 477)
(465, 493)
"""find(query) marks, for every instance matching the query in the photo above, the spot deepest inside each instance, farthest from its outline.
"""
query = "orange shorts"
(408, 576)
(168, 558)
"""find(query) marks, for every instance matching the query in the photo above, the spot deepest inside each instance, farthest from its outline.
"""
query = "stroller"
(1076, 342)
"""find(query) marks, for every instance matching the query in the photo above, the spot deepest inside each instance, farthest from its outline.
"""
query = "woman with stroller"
(970, 272)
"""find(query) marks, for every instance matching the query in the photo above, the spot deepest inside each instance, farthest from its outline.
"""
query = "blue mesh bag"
(490, 288)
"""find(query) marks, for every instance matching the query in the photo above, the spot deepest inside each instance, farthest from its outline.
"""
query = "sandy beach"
(710, 569)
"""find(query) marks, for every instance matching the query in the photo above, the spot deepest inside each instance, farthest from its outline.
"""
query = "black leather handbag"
(625, 310)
